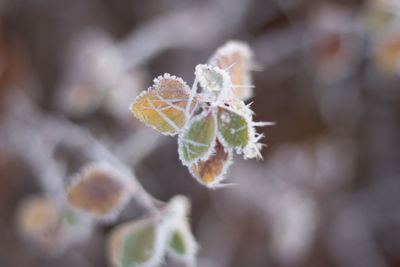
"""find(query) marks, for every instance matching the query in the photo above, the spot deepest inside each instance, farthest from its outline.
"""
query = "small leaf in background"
(137, 243)
(138, 246)
(181, 243)
(51, 225)
(236, 57)
(37, 220)
(197, 139)
(183, 246)
(212, 78)
(233, 128)
(145, 242)
(177, 243)
(100, 190)
(211, 171)
(177, 208)
(163, 105)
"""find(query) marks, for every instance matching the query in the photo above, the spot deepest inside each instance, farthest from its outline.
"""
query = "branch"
(34, 134)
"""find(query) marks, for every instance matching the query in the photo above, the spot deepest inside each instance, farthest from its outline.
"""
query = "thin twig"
(33, 131)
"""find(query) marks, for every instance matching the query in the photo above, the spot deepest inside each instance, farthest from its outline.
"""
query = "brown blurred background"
(328, 190)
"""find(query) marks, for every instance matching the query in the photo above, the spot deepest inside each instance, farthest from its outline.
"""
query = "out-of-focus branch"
(194, 27)
(34, 135)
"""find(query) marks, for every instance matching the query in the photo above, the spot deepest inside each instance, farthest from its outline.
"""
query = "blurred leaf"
(38, 218)
(51, 224)
(180, 241)
(233, 128)
(212, 170)
(177, 243)
(387, 53)
(136, 244)
(100, 191)
(379, 15)
(182, 245)
(197, 139)
(69, 217)
(236, 57)
(163, 105)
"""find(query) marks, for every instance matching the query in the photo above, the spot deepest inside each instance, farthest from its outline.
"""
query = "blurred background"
(328, 190)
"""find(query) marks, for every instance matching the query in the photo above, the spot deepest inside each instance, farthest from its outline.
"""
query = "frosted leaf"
(182, 245)
(212, 171)
(177, 243)
(136, 244)
(37, 220)
(236, 57)
(163, 106)
(213, 79)
(99, 190)
(145, 242)
(232, 128)
(181, 242)
(53, 226)
(197, 139)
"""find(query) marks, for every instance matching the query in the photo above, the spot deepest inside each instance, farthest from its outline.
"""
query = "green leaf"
(197, 139)
(177, 243)
(182, 245)
(233, 128)
(139, 245)
(69, 217)
(212, 78)
(145, 242)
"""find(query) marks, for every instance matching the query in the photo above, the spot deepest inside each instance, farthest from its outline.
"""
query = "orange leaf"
(100, 191)
(236, 57)
(211, 171)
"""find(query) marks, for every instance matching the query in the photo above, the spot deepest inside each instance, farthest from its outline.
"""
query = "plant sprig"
(211, 120)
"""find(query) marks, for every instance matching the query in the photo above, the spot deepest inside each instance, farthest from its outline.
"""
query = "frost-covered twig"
(34, 134)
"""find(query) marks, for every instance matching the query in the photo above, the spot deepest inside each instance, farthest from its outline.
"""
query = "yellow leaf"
(38, 218)
(164, 105)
